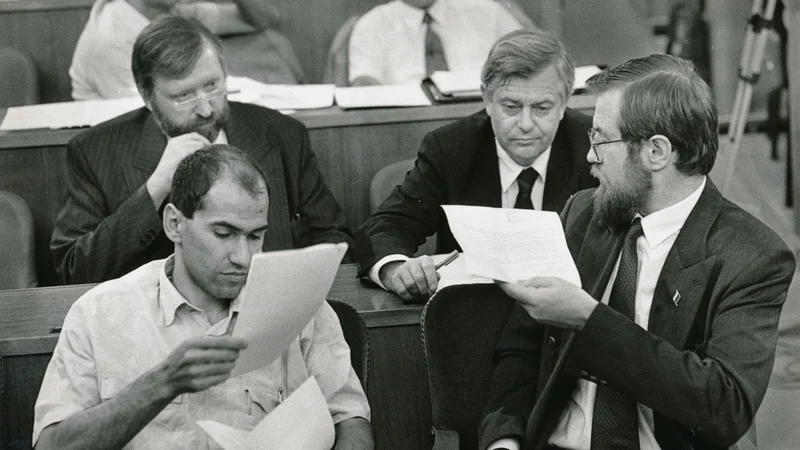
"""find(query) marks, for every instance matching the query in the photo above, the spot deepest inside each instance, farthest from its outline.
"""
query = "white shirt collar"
(510, 170)
(438, 11)
(170, 299)
(222, 138)
(665, 222)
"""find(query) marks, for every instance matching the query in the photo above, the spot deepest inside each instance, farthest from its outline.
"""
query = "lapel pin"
(676, 298)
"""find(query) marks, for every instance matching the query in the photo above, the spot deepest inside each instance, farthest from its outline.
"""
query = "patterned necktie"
(434, 52)
(616, 421)
(525, 182)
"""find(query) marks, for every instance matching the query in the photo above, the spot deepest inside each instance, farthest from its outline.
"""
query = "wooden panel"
(49, 38)
(39, 176)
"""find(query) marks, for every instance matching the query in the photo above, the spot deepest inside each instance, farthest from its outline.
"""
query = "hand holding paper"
(511, 244)
(552, 301)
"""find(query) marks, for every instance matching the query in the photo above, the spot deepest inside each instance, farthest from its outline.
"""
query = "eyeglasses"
(592, 135)
(189, 100)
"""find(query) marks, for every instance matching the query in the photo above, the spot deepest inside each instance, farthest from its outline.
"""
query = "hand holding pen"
(416, 279)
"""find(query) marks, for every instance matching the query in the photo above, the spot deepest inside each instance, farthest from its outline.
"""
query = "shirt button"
(603, 382)
(593, 379)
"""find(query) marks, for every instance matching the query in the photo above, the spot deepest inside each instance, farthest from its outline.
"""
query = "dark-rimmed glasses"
(593, 144)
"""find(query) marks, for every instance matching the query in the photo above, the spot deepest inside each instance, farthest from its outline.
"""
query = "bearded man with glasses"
(120, 172)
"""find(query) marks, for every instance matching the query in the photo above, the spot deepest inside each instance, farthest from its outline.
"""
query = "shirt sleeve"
(327, 357)
(70, 382)
(365, 49)
(506, 443)
(375, 271)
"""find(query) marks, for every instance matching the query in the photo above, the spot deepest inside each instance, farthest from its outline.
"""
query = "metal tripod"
(755, 41)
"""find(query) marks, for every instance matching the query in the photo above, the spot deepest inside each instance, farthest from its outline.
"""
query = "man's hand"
(179, 147)
(198, 364)
(552, 301)
(413, 279)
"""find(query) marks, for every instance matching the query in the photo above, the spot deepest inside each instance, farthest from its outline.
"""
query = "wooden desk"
(351, 147)
(398, 391)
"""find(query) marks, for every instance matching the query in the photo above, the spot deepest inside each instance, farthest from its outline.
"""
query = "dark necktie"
(434, 52)
(616, 424)
(525, 182)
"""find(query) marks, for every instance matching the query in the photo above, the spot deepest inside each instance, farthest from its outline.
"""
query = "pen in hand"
(450, 258)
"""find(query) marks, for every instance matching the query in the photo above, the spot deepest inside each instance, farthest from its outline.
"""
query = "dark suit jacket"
(108, 225)
(703, 365)
(457, 164)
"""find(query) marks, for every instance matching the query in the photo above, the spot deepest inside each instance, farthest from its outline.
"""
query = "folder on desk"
(67, 114)
(280, 96)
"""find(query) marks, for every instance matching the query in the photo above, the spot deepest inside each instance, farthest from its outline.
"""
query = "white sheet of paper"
(456, 273)
(583, 73)
(381, 96)
(284, 290)
(303, 421)
(67, 114)
(280, 96)
(450, 81)
(511, 244)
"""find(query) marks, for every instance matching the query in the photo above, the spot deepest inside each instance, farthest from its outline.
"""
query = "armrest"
(444, 439)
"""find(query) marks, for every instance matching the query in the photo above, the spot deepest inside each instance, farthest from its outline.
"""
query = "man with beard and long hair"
(120, 172)
(670, 343)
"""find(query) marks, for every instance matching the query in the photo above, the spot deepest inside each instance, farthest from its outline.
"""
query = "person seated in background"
(673, 335)
(101, 64)
(525, 150)
(404, 41)
(120, 172)
(141, 358)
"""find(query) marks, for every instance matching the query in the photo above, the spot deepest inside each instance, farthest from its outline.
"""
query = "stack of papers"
(458, 83)
(303, 421)
(381, 96)
(67, 114)
(582, 74)
(280, 96)
(511, 244)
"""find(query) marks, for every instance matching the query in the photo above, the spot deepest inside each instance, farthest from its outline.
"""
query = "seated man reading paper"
(525, 150)
(673, 335)
(142, 358)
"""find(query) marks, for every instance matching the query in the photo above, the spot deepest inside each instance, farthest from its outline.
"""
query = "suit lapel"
(597, 258)
(679, 292)
(485, 181)
(247, 135)
(150, 145)
(560, 182)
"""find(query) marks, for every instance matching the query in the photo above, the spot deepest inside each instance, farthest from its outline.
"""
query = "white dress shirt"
(661, 228)
(388, 42)
(509, 171)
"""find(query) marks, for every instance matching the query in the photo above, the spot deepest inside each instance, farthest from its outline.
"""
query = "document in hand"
(303, 421)
(511, 244)
(284, 290)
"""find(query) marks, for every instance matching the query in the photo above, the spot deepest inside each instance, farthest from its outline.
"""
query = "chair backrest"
(355, 333)
(337, 62)
(19, 80)
(17, 260)
(460, 328)
(384, 181)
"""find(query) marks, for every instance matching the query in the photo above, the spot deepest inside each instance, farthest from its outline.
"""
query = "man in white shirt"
(671, 341)
(388, 43)
(101, 64)
(526, 150)
(142, 358)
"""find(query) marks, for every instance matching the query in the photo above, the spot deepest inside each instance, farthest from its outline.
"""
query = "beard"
(208, 127)
(616, 206)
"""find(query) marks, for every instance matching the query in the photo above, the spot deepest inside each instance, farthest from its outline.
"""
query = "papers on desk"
(381, 96)
(457, 83)
(67, 114)
(280, 96)
(511, 244)
(303, 421)
(583, 73)
(283, 292)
